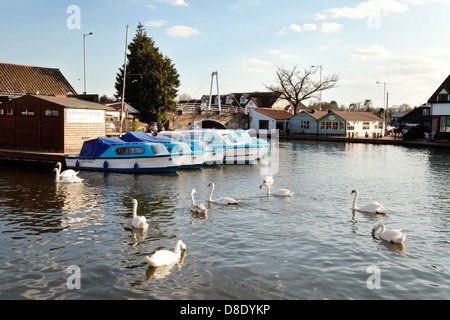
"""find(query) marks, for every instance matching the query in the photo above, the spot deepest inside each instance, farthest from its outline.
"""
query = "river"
(76, 241)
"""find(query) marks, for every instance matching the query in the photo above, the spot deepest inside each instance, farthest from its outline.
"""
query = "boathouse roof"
(20, 79)
(275, 113)
(444, 86)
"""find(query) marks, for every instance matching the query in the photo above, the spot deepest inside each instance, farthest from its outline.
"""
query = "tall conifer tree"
(152, 80)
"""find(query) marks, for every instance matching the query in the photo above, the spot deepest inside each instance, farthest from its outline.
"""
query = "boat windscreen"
(158, 148)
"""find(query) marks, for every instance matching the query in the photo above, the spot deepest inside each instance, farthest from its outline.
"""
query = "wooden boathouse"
(50, 124)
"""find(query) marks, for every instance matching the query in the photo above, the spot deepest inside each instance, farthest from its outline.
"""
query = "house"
(243, 102)
(19, 80)
(306, 122)
(269, 119)
(350, 123)
(420, 116)
(440, 110)
(395, 118)
(52, 124)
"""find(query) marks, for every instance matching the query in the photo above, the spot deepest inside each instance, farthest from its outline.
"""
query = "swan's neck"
(56, 176)
(192, 198)
(383, 229)
(211, 192)
(59, 168)
(134, 209)
(177, 247)
(355, 200)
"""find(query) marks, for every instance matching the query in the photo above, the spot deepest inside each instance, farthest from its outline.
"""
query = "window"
(2, 112)
(27, 112)
(158, 148)
(9, 112)
(51, 113)
(304, 124)
(443, 97)
(335, 125)
(366, 125)
(342, 126)
(130, 151)
(444, 124)
(426, 112)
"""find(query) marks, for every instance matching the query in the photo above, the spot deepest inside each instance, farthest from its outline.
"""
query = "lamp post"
(320, 86)
(384, 106)
(84, 49)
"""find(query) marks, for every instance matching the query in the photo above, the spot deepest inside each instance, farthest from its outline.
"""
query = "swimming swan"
(393, 235)
(268, 180)
(165, 257)
(68, 179)
(373, 207)
(197, 208)
(223, 200)
(66, 173)
(138, 222)
(277, 192)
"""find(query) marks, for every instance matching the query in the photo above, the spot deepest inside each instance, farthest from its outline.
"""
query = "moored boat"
(114, 154)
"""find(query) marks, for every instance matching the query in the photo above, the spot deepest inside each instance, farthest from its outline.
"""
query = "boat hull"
(167, 163)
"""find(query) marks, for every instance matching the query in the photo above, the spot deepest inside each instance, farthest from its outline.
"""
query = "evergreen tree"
(152, 80)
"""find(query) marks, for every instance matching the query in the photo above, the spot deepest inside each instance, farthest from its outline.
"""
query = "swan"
(197, 208)
(223, 200)
(68, 179)
(165, 257)
(138, 222)
(393, 235)
(277, 192)
(65, 173)
(268, 180)
(373, 207)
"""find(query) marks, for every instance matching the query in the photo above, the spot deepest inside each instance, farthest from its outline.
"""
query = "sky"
(397, 47)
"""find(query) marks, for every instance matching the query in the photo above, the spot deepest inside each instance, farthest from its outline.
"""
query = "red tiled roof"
(274, 113)
(21, 79)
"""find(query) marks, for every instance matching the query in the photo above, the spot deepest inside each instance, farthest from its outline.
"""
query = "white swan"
(66, 173)
(393, 235)
(223, 200)
(197, 208)
(165, 257)
(68, 179)
(138, 222)
(268, 180)
(373, 207)
(277, 192)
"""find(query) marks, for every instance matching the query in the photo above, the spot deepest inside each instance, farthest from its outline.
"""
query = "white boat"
(236, 151)
(210, 156)
(114, 154)
(261, 145)
(194, 157)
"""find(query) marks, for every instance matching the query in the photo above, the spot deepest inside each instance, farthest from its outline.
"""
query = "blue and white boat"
(210, 156)
(261, 145)
(194, 156)
(114, 154)
(235, 150)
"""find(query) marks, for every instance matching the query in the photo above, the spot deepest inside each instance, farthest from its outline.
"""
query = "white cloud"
(150, 6)
(255, 62)
(370, 53)
(295, 27)
(181, 31)
(176, 2)
(155, 23)
(309, 27)
(255, 66)
(370, 8)
(329, 27)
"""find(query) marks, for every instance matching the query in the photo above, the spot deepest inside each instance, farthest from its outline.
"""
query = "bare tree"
(297, 86)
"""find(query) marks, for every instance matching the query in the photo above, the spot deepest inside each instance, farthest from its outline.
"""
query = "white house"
(350, 123)
(440, 110)
(269, 119)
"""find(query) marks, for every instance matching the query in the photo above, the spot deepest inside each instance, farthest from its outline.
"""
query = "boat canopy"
(139, 136)
(96, 147)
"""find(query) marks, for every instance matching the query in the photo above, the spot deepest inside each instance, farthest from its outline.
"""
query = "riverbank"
(444, 144)
(51, 157)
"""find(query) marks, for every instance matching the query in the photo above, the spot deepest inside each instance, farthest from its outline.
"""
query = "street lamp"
(384, 106)
(84, 49)
(320, 86)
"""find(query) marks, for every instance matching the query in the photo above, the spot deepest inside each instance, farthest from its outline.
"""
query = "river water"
(76, 241)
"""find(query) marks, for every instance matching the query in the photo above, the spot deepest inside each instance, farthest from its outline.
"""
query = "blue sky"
(403, 43)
